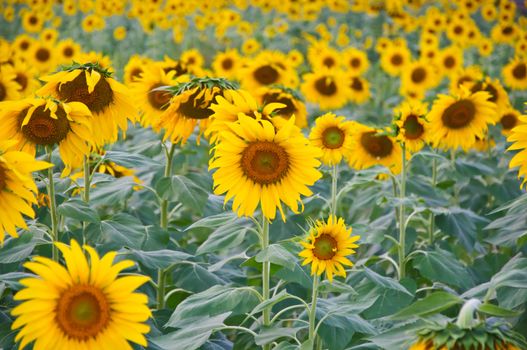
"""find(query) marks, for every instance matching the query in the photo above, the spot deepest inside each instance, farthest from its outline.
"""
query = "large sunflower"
(327, 88)
(518, 136)
(412, 124)
(9, 88)
(332, 135)
(17, 188)
(36, 122)
(82, 306)
(259, 164)
(515, 74)
(290, 98)
(327, 247)
(372, 147)
(456, 121)
(108, 100)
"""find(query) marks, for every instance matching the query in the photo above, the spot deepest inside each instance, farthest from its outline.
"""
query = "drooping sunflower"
(412, 124)
(290, 98)
(456, 121)
(327, 247)
(189, 108)
(35, 122)
(258, 164)
(83, 305)
(509, 119)
(394, 59)
(327, 88)
(332, 135)
(108, 100)
(9, 88)
(226, 64)
(372, 147)
(515, 73)
(17, 188)
(359, 90)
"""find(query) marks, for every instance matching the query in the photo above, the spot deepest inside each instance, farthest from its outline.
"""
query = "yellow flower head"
(515, 73)
(332, 135)
(327, 247)
(413, 126)
(288, 97)
(327, 88)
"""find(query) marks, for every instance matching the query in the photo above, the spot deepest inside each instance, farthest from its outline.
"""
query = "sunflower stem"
(266, 269)
(402, 222)
(53, 210)
(431, 218)
(313, 310)
(86, 193)
(161, 289)
(334, 179)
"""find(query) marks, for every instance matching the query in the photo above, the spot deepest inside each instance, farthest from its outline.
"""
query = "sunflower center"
(508, 121)
(3, 92)
(77, 90)
(21, 79)
(520, 71)
(356, 84)
(197, 108)
(507, 30)
(158, 99)
(24, 45)
(286, 111)
(326, 86)
(412, 128)
(325, 247)
(44, 130)
(42, 54)
(266, 75)
(355, 62)
(227, 63)
(396, 60)
(3, 178)
(418, 75)
(458, 30)
(68, 52)
(33, 20)
(378, 146)
(136, 73)
(83, 311)
(449, 62)
(179, 68)
(329, 62)
(489, 88)
(333, 137)
(265, 162)
(459, 114)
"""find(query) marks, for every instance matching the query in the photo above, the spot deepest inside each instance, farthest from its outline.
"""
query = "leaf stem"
(266, 270)
(313, 310)
(334, 179)
(402, 222)
(53, 209)
(432, 216)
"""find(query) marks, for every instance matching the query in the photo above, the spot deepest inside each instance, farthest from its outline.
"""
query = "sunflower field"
(263, 174)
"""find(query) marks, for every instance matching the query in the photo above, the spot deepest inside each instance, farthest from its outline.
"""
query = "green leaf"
(214, 301)
(494, 310)
(111, 192)
(158, 259)
(123, 230)
(270, 334)
(283, 295)
(194, 277)
(431, 304)
(385, 282)
(214, 221)
(223, 238)
(278, 255)
(17, 249)
(78, 210)
(461, 223)
(130, 160)
(181, 189)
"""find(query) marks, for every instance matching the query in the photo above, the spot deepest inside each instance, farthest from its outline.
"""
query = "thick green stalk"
(53, 210)
(431, 218)
(266, 274)
(334, 178)
(86, 193)
(313, 310)
(402, 224)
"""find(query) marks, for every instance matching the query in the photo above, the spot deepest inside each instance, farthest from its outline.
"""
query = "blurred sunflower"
(372, 147)
(355, 61)
(464, 75)
(326, 87)
(226, 64)
(34, 122)
(192, 58)
(498, 95)
(84, 305)
(321, 56)
(108, 100)
(419, 75)
(25, 77)
(32, 22)
(450, 59)
(456, 121)
(509, 119)
(49, 35)
(21, 46)
(515, 73)
(327, 247)
(412, 124)
(332, 135)
(135, 68)
(359, 90)
(68, 51)
(394, 59)
(9, 88)
(292, 101)
(43, 57)
(259, 164)
(268, 68)
(178, 67)
(17, 188)
(518, 137)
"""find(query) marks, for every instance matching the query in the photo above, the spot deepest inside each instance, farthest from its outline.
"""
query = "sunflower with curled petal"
(258, 164)
(41, 122)
(515, 73)
(81, 306)
(17, 188)
(332, 135)
(189, 108)
(371, 146)
(327, 88)
(327, 247)
(456, 121)
(412, 124)
(292, 101)
(108, 100)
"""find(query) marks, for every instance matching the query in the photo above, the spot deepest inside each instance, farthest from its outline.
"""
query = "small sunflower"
(515, 73)
(372, 147)
(412, 124)
(258, 164)
(498, 95)
(25, 76)
(359, 90)
(394, 59)
(456, 121)
(43, 57)
(178, 67)
(293, 104)
(419, 75)
(135, 68)
(268, 68)
(68, 51)
(509, 119)
(226, 64)
(332, 135)
(35, 122)
(84, 305)
(192, 58)
(323, 57)
(17, 188)
(450, 59)
(21, 46)
(327, 88)
(9, 88)
(355, 61)
(32, 22)
(108, 100)
(464, 75)
(327, 247)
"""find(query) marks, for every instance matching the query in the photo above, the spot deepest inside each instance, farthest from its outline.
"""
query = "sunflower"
(25, 77)
(332, 135)
(457, 31)
(135, 68)
(419, 75)
(412, 124)
(355, 61)
(42, 57)
(394, 59)
(95, 58)
(226, 64)
(359, 90)
(192, 58)
(22, 45)
(178, 67)
(327, 247)
(32, 22)
(323, 56)
(9, 88)
(268, 68)
(68, 51)
(259, 164)
(371, 146)
(34, 122)
(108, 100)
(456, 121)
(498, 95)
(327, 88)
(489, 12)
(149, 101)
(17, 188)
(509, 119)
(515, 73)
(292, 101)
(505, 32)
(450, 59)
(49, 35)
(189, 107)
(463, 75)
(518, 136)
(84, 305)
